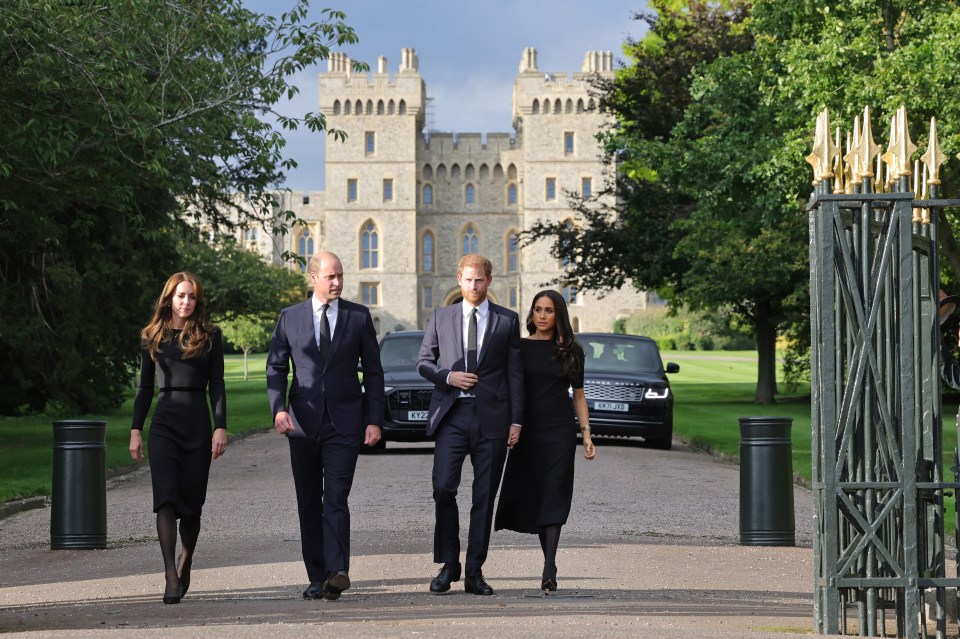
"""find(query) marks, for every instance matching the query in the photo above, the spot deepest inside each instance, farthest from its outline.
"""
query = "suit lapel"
(493, 318)
(343, 317)
(457, 318)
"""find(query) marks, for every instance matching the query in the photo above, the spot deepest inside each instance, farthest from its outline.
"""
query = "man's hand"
(372, 435)
(282, 423)
(462, 380)
(514, 436)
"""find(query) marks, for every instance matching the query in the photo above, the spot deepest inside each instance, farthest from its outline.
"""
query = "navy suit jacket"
(499, 389)
(333, 383)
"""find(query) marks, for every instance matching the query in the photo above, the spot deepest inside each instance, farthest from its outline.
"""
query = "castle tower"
(558, 121)
(371, 199)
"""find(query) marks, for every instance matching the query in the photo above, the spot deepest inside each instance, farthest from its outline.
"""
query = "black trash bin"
(766, 482)
(78, 517)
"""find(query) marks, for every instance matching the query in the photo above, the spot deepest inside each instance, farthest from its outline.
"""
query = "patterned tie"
(472, 343)
(324, 332)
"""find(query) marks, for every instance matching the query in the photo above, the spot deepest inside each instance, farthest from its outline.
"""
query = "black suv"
(626, 387)
(408, 394)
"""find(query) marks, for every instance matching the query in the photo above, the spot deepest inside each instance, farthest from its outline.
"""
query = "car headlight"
(387, 389)
(657, 393)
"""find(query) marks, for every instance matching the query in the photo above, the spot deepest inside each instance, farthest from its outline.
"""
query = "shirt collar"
(334, 304)
(465, 308)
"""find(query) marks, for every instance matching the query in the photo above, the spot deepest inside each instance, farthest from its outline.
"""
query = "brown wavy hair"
(195, 334)
(566, 348)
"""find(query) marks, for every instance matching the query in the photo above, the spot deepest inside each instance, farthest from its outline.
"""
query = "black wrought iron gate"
(878, 483)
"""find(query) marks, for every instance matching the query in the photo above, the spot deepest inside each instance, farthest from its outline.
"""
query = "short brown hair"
(477, 261)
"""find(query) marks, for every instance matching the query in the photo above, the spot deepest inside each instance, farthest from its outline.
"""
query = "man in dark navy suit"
(471, 352)
(328, 418)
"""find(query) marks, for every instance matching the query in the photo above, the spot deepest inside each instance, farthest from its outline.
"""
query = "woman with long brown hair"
(537, 487)
(184, 355)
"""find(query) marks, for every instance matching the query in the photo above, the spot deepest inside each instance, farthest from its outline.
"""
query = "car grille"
(614, 391)
(410, 399)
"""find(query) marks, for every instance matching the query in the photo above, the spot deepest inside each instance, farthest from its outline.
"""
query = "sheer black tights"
(549, 541)
(167, 533)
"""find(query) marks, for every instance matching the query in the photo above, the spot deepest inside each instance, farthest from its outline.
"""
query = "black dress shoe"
(549, 584)
(337, 581)
(475, 585)
(448, 574)
(314, 590)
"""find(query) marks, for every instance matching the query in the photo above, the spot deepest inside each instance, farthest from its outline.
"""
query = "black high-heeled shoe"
(549, 584)
(184, 576)
(172, 599)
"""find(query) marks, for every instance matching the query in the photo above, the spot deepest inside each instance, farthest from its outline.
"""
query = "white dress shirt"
(331, 317)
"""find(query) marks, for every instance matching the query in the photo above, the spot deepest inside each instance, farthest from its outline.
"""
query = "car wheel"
(379, 447)
(662, 443)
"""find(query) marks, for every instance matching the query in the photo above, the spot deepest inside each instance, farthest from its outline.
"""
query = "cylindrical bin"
(766, 482)
(78, 517)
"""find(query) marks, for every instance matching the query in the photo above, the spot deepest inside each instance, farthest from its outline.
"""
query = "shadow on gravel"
(383, 603)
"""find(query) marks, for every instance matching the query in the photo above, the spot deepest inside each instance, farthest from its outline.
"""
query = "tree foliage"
(248, 334)
(715, 112)
(121, 121)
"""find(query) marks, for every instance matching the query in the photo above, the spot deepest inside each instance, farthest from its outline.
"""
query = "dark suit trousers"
(458, 436)
(323, 469)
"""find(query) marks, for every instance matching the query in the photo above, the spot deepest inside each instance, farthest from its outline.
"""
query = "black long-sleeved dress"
(180, 435)
(538, 481)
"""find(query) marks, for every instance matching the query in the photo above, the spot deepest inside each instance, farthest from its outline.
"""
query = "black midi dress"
(180, 435)
(538, 482)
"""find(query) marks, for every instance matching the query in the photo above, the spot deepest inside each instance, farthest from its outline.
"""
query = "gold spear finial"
(865, 148)
(814, 158)
(837, 165)
(905, 146)
(889, 157)
(934, 156)
(851, 157)
(916, 189)
(828, 150)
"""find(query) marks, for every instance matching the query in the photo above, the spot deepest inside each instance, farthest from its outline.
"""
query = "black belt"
(189, 389)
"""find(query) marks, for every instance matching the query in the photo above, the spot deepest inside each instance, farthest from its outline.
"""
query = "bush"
(686, 331)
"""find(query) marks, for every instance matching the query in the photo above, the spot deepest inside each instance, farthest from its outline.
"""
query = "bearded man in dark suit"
(471, 352)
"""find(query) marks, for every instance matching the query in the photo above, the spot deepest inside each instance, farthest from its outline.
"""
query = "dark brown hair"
(196, 331)
(567, 350)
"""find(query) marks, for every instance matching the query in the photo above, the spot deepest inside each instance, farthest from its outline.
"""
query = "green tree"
(724, 161)
(123, 120)
(248, 334)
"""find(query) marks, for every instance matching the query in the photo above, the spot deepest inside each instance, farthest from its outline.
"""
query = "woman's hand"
(219, 442)
(136, 445)
(589, 450)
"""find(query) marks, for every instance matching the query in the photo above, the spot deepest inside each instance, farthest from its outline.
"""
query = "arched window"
(546, 106)
(358, 109)
(469, 172)
(564, 244)
(511, 194)
(369, 107)
(380, 107)
(346, 107)
(471, 243)
(305, 248)
(427, 172)
(569, 106)
(402, 109)
(469, 194)
(536, 106)
(557, 106)
(580, 105)
(428, 194)
(513, 253)
(336, 107)
(369, 246)
(391, 107)
(426, 252)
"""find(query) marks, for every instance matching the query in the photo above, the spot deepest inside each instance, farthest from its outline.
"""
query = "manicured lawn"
(26, 443)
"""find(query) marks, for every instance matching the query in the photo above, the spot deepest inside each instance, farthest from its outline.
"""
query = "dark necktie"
(324, 332)
(472, 343)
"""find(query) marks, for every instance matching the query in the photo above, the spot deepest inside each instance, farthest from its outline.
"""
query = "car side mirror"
(673, 368)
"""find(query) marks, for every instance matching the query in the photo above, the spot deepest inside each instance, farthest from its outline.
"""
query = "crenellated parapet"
(343, 92)
(538, 92)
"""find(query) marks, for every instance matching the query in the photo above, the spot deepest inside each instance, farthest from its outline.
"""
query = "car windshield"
(618, 355)
(400, 353)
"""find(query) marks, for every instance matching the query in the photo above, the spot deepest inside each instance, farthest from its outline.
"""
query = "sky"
(469, 52)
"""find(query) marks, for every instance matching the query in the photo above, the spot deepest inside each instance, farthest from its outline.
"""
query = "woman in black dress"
(185, 355)
(538, 481)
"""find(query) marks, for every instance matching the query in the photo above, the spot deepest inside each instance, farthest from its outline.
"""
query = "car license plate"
(417, 415)
(611, 406)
